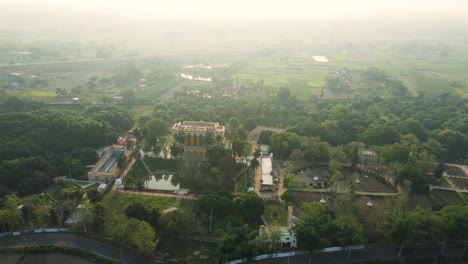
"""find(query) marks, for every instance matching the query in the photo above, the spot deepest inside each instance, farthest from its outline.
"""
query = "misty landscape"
(233, 131)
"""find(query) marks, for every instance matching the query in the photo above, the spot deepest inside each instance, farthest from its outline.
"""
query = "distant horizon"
(240, 10)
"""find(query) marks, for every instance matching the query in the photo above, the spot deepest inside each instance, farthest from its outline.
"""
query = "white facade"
(287, 240)
(267, 178)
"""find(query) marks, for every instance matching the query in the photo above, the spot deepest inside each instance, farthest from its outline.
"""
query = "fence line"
(38, 231)
(435, 187)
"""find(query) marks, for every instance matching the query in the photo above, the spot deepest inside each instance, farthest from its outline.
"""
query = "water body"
(195, 78)
(198, 66)
(162, 183)
(111, 161)
(320, 58)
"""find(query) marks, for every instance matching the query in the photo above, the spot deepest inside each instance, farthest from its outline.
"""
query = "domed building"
(118, 183)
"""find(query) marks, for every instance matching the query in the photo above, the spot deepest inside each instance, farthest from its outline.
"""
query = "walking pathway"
(180, 196)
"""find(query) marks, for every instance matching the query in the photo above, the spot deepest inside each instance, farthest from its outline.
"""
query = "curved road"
(70, 240)
(451, 249)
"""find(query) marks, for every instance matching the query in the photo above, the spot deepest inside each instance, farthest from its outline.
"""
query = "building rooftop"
(198, 127)
(267, 178)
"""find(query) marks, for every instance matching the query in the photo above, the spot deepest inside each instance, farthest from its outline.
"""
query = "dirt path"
(376, 193)
(258, 177)
(452, 176)
(451, 183)
(281, 188)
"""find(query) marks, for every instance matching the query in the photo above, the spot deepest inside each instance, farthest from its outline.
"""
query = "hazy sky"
(241, 9)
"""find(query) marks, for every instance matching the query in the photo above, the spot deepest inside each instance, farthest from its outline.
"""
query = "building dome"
(118, 182)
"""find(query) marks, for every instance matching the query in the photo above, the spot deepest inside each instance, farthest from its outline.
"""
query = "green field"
(422, 67)
(38, 94)
(275, 214)
(303, 77)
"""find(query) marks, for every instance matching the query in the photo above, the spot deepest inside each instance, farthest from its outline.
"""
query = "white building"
(288, 239)
(267, 171)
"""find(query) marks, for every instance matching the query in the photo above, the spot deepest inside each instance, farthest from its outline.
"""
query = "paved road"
(451, 249)
(70, 240)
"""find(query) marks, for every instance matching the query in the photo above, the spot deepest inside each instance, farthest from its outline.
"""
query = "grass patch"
(454, 171)
(275, 214)
(447, 197)
(46, 94)
(63, 190)
(244, 181)
(117, 201)
(317, 84)
(93, 186)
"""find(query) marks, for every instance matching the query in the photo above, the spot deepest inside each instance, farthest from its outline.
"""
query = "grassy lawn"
(37, 95)
(120, 201)
(276, 214)
(80, 183)
(454, 171)
(186, 205)
(303, 197)
(59, 190)
(244, 181)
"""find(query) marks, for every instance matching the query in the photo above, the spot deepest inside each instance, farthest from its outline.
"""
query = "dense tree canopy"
(40, 143)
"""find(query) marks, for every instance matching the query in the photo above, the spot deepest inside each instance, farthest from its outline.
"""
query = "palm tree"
(209, 138)
(129, 181)
(180, 137)
(129, 144)
(254, 163)
(140, 186)
(121, 162)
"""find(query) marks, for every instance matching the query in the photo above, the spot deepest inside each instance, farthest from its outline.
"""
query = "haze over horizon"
(208, 25)
(236, 10)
